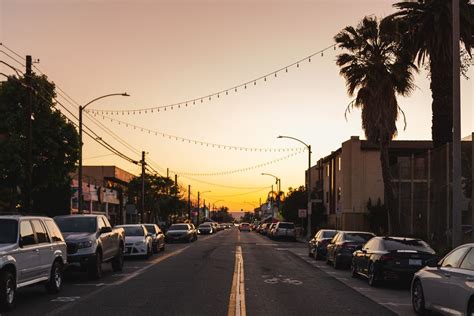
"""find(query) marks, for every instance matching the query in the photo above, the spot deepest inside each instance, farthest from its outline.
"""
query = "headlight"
(139, 243)
(84, 244)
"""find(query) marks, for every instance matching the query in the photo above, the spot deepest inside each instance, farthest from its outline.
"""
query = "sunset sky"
(164, 52)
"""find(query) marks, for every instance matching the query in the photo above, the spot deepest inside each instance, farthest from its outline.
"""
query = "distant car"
(317, 245)
(284, 230)
(138, 241)
(157, 236)
(244, 227)
(181, 232)
(32, 251)
(205, 228)
(391, 258)
(446, 286)
(343, 244)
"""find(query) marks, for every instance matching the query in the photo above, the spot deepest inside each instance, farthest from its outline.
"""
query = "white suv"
(32, 251)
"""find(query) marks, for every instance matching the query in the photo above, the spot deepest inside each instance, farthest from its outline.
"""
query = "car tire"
(310, 252)
(55, 279)
(336, 263)
(354, 272)
(470, 307)
(7, 290)
(371, 275)
(149, 251)
(117, 261)
(418, 298)
(95, 266)
(162, 248)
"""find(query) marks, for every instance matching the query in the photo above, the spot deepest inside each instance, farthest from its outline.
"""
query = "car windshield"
(178, 227)
(358, 237)
(75, 224)
(392, 244)
(151, 229)
(204, 226)
(133, 230)
(287, 225)
(8, 231)
(329, 234)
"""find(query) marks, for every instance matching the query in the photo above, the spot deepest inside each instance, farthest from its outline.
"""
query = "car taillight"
(386, 258)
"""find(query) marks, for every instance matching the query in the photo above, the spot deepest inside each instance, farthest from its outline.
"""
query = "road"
(229, 273)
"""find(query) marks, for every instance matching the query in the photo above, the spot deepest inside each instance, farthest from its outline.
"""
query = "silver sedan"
(448, 286)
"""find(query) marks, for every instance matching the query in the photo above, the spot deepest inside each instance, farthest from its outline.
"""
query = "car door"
(107, 246)
(331, 246)
(46, 256)
(28, 255)
(461, 284)
(160, 236)
(365, 256)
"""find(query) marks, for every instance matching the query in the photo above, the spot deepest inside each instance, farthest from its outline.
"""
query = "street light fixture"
(199, 196)
(278, 183)
(307, 185)
(81, 109)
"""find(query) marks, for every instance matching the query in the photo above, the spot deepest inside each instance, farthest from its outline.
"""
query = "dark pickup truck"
(91, 240)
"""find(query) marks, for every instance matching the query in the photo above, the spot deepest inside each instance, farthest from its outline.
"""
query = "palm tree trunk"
(389, 195)
(442, 107)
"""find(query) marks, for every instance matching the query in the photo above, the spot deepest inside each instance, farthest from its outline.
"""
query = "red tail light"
(386, 258)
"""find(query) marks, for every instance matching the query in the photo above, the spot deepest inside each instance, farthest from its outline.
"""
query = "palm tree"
(426, 25)
(376, 69)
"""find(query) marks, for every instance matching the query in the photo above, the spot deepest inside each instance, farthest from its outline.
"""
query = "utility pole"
(29, 135)
(189, 202)
(142, 199)
(197, 218)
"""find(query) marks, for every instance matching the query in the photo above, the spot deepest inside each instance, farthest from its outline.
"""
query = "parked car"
(391, 258)
(284, 230)
(244, 227)
(317, 245)
(138, 241)
(32, 251)
(206, 228)
(157, 236)
(181, 232)
(343, 244)
(91, 241)
(270, 230)
(263, 229)
(446, 286)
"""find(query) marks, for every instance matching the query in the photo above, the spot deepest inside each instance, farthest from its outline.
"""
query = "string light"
(217, 94)
(202, 143)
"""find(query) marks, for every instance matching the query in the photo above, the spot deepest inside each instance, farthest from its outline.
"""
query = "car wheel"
(7, 290)
(354, 273)
(55, 279)
(371, 276)
(418, 298)
(336, 263)
(117, 262)
(95, 266)
(163, 247)
(470, 307)
(149, 251)
(310, 252)
(328, 262)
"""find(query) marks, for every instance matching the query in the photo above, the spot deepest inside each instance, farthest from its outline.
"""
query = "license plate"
(414, 262)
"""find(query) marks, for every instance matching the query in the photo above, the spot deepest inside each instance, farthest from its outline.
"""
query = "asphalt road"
(222, 274)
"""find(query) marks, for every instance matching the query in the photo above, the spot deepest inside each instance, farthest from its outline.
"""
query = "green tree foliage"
(247, 218)
(377, 68)
(295, 199)
(163, 198)
(377, 217)
(426, 30)
(55, 148)
(222, 215)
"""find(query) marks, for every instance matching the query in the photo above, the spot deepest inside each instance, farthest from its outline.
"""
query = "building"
(104, 192)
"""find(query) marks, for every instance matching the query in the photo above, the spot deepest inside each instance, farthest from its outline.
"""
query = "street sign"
(302, 213)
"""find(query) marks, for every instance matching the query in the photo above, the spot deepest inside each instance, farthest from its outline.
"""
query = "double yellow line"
(237, 293)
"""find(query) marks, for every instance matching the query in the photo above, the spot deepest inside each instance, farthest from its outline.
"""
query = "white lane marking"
(90, 284)
(237, 294)
(66, 299)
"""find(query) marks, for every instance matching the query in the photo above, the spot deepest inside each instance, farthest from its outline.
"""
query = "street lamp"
(214, 204)
(308, 184)
(278, 183)
(199, 196)
(81, 109)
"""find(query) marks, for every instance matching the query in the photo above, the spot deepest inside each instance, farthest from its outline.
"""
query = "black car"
(181, 232)
(344, 243)
(391, 258)
(317, 245)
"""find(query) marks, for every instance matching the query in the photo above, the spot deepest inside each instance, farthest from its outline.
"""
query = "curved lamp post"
(307, 185)
(199, 196)
(81, 109)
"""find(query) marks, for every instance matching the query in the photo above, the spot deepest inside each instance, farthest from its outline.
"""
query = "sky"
(166, 52)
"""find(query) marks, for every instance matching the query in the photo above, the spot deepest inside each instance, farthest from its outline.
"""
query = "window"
(26, 234)
(327, 170)
(371, 244)
(339, 163)
(101, 223)
(468, 262)
(8, 231)
(41, 234)
(72, 224)
(54, 231)
(454, 258)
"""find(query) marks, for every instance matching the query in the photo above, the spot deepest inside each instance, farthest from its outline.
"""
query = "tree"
(222, 215)
(247, 218)
(376, 69)
(55, 148)
(426, 28)
(296, 199)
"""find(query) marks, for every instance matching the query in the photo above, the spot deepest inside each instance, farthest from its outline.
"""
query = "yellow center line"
(237, 294)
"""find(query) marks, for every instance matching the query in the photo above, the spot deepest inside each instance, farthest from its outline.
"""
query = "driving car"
(205, 228)
(391, 259)
(244, 227)
(181, 232)
(343, 244)
(446, 286)
(317, 245)
(32, 251)
(157, 236)
(138, 241)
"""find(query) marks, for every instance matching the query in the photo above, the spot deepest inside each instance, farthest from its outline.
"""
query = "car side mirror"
(105, 230)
